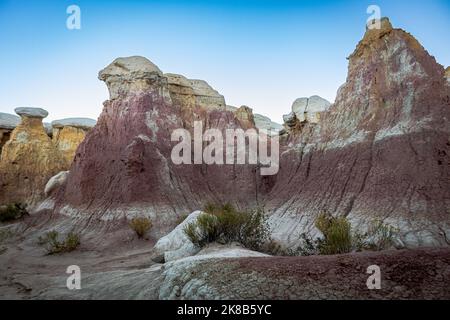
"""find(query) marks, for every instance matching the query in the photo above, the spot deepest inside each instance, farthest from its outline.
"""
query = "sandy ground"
(117, 265)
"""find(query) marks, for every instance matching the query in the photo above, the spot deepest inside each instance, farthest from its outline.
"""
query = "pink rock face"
(124, 165)
(382, 151)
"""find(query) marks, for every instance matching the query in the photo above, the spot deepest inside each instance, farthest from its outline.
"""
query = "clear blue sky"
(264, 54)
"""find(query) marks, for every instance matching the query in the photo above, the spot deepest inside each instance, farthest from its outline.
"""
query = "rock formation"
(260, 122)
(447, 74)
(176, 244)
(68, 134)
(206, 97)
(55, 182)
(309, 109)
(193, 98)
(7, 124)
(28, 160)
(305, 110)
(124, 168)
(382, 150)
(245, 116)
(265, 123)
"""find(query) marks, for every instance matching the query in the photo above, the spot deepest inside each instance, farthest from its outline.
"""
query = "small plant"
(224, 224)
(141, 225)
(12, 212)
(53, 246)
(380, 236)
(339, 238)
(337, 234)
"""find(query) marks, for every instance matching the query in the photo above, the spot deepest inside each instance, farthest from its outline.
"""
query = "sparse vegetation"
(336, 232)
(53, 245)
(141, 225)
(380, 236)
(12, 212)
(224, 224)
(339, 238)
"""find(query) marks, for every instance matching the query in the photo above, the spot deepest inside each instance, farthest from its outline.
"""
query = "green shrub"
(12, 212)
(53, 246)
(141, 226)
(380, 236)
(225, 225)
(339, 238)
(337, 234)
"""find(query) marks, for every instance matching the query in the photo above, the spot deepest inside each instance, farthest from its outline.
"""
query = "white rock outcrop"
(309, 109)
(8, 121)
(206, 97)
(82, 123)
(176, 244)
(131, 74)
(55, 182)
(31, 112)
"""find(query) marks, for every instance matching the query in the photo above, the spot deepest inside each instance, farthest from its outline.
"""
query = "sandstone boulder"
(28, 160)
(68, 134)
(447, 74)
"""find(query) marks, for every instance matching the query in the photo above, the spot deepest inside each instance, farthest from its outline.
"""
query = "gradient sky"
(263, 54)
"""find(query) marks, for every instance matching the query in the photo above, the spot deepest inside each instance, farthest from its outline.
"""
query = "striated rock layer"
(124, 166)
(28, 160)
(382, 151)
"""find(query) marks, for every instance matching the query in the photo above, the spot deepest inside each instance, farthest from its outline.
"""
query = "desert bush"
(337, 234)
(380, 236)
(338, 237)
(12, 212)
(53, 245)
(225, 224)
(141, 225)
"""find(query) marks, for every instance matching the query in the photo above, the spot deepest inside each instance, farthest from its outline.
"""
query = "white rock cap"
(84, 123)
(134, 66)
(178, 79)
(306, 109)
(31, 112)
(8, 121)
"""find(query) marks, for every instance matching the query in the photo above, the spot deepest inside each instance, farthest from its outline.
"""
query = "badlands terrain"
(380, 152)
